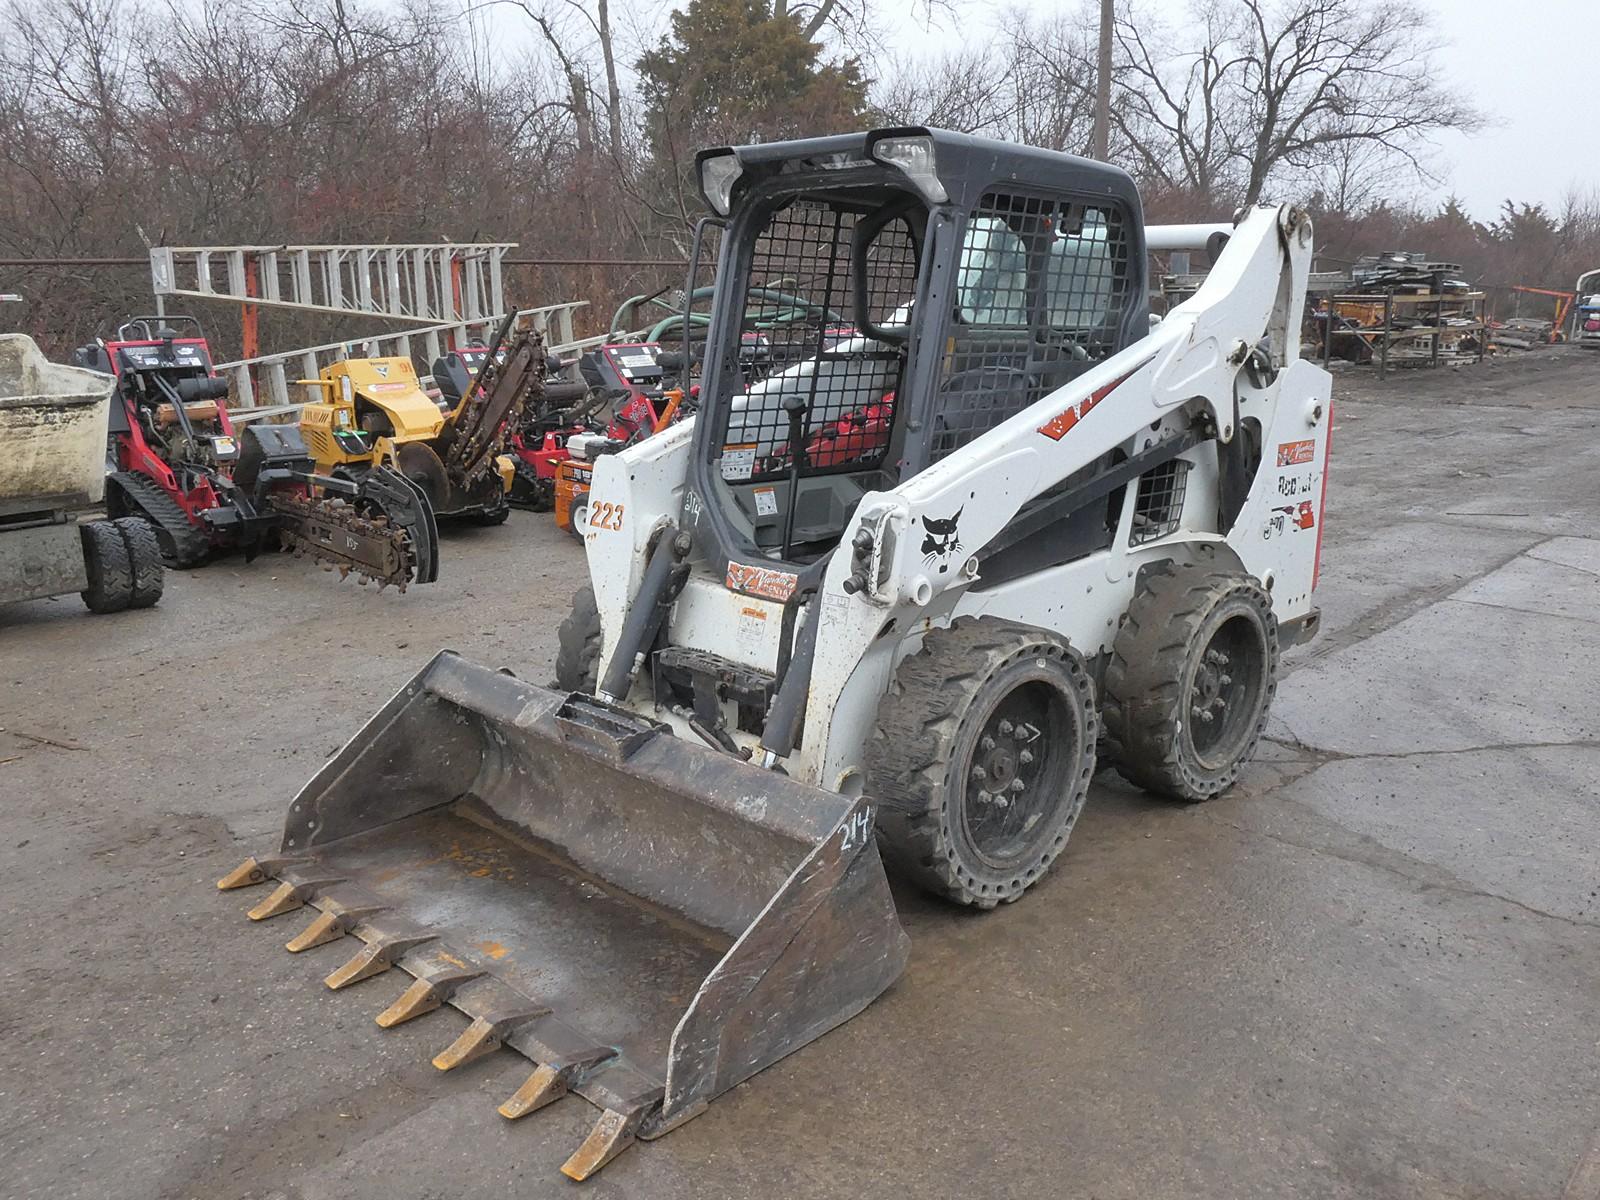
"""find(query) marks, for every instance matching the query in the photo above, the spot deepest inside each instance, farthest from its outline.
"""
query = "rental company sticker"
(761, 581)
(1294, 454)
(766, 501)
(738, 462)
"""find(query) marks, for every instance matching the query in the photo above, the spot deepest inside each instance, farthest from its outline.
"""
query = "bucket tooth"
(423, 996)
(336, 920)
(327, 927)
(483, 1036)
(286, 898)
(255, 870)
(290, 895)
(373, 959)
(613, 1133)
(545, 1086)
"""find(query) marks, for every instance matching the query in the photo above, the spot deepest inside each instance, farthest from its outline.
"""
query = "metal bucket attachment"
(648, 921)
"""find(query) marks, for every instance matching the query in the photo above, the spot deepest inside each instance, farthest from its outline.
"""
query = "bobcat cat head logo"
(941, 540)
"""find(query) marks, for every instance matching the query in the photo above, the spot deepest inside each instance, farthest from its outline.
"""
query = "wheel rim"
(1017, 772)
(1225, 691)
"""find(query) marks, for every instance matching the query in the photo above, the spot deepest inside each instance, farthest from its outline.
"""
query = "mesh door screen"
(1158, 506)
(1042, 287)
(800, 342)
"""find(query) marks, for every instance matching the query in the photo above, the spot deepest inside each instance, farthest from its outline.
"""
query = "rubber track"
(1143, 707)
(189, 545)
(908, 754)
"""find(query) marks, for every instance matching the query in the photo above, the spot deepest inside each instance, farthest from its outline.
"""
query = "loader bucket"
(648, 921)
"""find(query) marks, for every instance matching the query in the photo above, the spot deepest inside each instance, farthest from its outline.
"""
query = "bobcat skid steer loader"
(978, 525)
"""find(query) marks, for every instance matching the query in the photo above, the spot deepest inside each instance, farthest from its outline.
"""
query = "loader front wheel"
(1191, 678)
(982, 758)
(578, 644)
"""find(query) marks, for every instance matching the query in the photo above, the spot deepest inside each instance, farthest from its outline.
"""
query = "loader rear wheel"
(105, 559)
(982, 758)
(144, 560)
(578, 645)
(1190, 681)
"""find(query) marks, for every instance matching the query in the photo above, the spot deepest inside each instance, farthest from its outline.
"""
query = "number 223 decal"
(605, 516)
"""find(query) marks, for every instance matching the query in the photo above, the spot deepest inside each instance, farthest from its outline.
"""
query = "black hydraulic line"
(796, 407)
(645, 615)
(177, 403)
(789, 705)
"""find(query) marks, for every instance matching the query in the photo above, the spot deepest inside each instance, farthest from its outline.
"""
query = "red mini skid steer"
(175, 459)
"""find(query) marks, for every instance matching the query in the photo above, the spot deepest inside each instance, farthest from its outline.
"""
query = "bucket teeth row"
(423, 996)
(374, 958)
(485, 1035)
(566, 1060)
(613, 1133)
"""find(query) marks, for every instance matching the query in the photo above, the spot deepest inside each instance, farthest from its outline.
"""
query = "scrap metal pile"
(1406, 309)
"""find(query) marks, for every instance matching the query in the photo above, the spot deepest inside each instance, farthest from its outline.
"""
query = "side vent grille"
(1158, 506)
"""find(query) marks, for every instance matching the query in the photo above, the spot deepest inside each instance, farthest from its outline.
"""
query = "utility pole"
(1102, 98)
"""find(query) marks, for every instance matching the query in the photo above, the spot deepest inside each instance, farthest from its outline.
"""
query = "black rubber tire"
(921, 759)
(144, 560)
(578, 645)
(1159, 661)
(492, 516)
(105, 558)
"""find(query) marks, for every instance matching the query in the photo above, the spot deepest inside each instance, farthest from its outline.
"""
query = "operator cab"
(912, 289)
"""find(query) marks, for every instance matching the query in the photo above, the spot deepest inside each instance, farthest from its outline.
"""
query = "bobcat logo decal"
(941, 540)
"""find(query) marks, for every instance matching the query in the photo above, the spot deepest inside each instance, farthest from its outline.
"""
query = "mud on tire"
(1191, 679)
(578, 645)
(105, 558)
(981, 760)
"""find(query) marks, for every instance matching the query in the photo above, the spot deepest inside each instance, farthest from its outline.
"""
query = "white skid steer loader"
(972, 526)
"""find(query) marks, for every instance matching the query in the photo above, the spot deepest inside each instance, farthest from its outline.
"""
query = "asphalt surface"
(1371, 970)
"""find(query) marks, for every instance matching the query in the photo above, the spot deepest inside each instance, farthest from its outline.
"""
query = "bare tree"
(1276, 86)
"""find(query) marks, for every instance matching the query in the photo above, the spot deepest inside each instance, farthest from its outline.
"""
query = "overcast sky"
(1532, 65)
